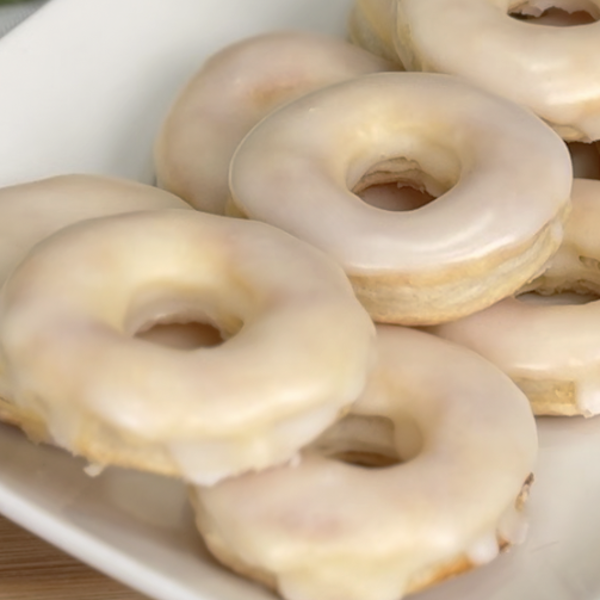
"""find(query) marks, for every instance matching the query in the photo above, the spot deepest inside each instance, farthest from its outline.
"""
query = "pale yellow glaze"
(551, 350)
(233, 90)
(323, 529)
(297, 350)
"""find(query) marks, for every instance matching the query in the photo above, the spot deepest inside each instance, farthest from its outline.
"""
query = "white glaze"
(555, 71)
(233, 90)
(295, 170)
(298, 343)
(330, 530)
(32, 211)
(550, 343)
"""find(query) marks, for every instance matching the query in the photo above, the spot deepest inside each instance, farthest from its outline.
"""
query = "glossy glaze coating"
(297, 347)
(554, 70)
(326, 529)
(481, 156)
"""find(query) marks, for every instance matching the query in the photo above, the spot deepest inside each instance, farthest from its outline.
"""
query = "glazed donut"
(32, 211)
(236, 88)
(296, 352)
(555, 71)
(483, 155)
(551, 351)
(327, 529)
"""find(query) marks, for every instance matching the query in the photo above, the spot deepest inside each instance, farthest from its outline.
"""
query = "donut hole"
(182, 336)
(395, 196)
(565, 13)
(177, 320)
(371, 442)
(399, 185)
(585, 159)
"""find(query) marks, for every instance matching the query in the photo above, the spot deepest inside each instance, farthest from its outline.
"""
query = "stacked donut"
(552, 68)
(333, 450)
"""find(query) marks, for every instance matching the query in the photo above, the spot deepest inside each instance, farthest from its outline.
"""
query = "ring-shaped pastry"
(328, 529)
(234, 90)
(552, 351)
(554, 71)
(297, 346)
(484, 156)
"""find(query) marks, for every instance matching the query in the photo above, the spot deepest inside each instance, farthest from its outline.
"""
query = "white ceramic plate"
(84, 86)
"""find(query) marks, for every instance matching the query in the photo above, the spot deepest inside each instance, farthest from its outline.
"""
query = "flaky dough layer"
(551, 350)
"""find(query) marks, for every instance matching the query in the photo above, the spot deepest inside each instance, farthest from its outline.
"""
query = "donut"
(552, 351)
(30, 212)
(483, 158)
(232, 91)
(450, 459)
(554, 71)
(296, 352)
